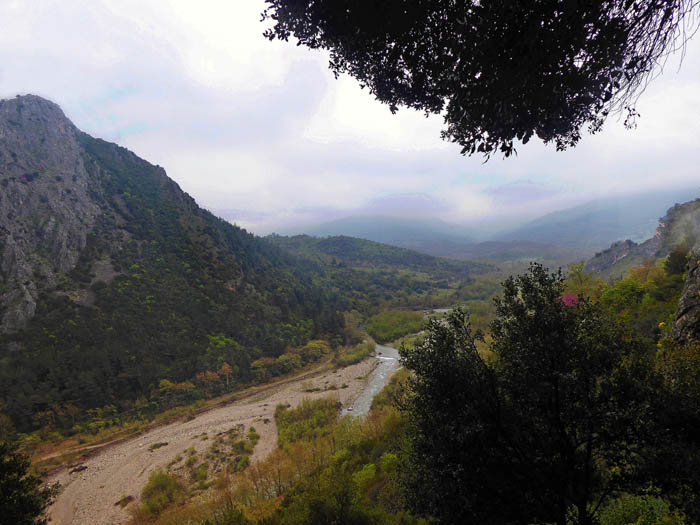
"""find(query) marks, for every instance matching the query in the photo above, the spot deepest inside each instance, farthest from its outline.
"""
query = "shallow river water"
(388, 363)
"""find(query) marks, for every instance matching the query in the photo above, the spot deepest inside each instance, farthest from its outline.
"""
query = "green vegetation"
(23, 499)
(389, 325)
(355, 354)
(341, 471)
(645, 300)
(161, 490)
(639, 510)
(374, 276)
(168, 490)
(575, 413)
(309, 421)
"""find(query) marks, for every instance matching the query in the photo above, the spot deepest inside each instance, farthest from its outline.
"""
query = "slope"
(593, 226)
(374, 275)
(113, 279)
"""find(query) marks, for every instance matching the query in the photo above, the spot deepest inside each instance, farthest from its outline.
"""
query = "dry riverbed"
(90, 492)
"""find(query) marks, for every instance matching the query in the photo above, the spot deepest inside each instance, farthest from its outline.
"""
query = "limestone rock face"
(686, 325)
(679, 227)
(608, 258)
(46, 211)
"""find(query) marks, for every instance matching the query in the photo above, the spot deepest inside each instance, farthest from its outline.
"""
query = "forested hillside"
(364, 253)
(373, 276)
(159, 289)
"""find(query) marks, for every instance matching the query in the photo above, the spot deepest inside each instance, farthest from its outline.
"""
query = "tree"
(23, 500)
(583, 284)
(225, 371)
(551, 425)
(497, 70)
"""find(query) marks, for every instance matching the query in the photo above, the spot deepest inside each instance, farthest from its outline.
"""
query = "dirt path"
(121, 469)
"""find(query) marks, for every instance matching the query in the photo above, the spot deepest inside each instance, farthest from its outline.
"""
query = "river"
(388, 363)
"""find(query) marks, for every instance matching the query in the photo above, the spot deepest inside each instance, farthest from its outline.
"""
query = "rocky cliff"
(678, 229)
(680, 226)
(46, 211)
(686, 325)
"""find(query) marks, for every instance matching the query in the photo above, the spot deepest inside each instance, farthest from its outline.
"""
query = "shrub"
(311, 419)
(639, 510)
(161, 490)
(391, 324)
(356, 354)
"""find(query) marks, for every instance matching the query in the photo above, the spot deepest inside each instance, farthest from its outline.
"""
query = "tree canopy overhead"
(497, 70)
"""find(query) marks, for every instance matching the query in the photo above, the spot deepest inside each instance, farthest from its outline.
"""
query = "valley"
(121, 469)
(165, 366)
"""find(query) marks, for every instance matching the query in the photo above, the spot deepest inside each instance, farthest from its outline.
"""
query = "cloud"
(261, 131)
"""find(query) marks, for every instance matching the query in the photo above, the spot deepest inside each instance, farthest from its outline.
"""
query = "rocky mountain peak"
(46, 212)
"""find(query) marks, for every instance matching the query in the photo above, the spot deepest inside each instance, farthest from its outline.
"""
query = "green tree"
(583, 284)
(23, 499)
(677, 260)
(553, 422)
(498, 71)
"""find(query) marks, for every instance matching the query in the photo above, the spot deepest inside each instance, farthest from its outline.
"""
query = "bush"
(161, 490)
(639, 510)
(356, 354)
(391, 324)
(311, 419)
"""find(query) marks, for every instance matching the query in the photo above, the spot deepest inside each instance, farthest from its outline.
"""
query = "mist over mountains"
(573, 233)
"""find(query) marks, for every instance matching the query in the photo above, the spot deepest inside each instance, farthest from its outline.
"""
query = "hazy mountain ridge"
(593, 226)
(679, 227)
(363, 252)
(558, 237)
(388, 229)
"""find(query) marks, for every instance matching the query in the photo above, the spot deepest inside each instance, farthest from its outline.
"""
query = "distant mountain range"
(679, 227)
(561, 236)
(397, 231)
(595, 225)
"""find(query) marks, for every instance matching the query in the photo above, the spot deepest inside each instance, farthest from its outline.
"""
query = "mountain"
(365, 253)
(677, 239)
(556, 238)
(437, 238)
(595, 225)
(398, 231)
(113, 278)
(373, 276)
(679, 228)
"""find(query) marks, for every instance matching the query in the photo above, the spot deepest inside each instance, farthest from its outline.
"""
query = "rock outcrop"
(686, 325)
(46, 211)
(679, 226)
(608, 258)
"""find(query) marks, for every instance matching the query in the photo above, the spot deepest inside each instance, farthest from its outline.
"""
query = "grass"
(355, 354)
(389, 325)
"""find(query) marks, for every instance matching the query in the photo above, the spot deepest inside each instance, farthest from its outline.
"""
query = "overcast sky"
(262, 131)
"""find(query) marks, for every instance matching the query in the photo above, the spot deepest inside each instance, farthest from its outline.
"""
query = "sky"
(262, 133)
